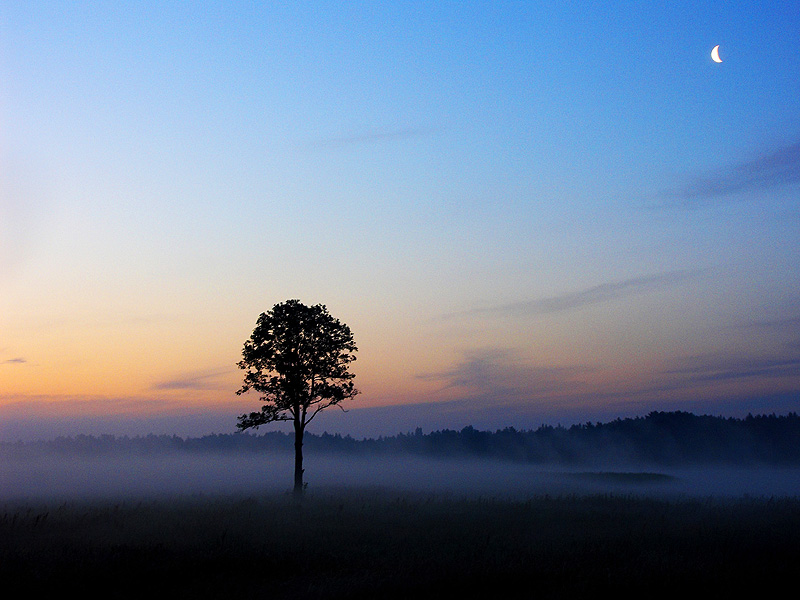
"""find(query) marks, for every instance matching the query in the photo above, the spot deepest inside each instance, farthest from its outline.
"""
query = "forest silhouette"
(660, 438)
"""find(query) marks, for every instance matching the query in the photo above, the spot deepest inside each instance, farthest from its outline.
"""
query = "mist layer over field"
(40, 475)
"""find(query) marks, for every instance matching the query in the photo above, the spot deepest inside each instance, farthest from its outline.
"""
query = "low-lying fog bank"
(185, 473)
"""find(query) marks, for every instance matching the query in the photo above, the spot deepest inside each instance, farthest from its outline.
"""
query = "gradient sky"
(526, 212)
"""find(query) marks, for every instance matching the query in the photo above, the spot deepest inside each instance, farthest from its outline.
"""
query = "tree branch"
(268, 414)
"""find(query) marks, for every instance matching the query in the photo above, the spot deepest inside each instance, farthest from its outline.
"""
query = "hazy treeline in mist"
(665, 438)
(209, 517)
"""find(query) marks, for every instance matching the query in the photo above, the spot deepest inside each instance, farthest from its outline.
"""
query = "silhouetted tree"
(298, 359)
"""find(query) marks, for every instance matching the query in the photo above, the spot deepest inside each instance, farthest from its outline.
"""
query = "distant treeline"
(667, 438)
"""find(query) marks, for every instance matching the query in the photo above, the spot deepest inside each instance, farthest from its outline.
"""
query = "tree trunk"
(298, 459)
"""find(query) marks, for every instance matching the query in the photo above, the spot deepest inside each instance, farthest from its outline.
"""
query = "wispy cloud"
(196, 381)
(776, 167)
(783, 331)
(370, 137)
(605, 292)
(14, 361)
(502, 376)
(723, 367)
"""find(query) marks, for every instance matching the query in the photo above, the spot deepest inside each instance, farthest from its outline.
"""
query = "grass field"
(372, 543)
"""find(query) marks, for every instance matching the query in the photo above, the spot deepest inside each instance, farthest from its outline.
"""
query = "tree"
(298, 359)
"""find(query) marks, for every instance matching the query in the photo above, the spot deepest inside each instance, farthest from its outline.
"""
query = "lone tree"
(298, 359)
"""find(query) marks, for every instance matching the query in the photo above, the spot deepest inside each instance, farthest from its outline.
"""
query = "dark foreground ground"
(379, 544)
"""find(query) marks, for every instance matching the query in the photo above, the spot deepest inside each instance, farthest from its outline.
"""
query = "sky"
(526, 212)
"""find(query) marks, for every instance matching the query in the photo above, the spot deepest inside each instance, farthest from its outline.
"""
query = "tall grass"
(377, 544)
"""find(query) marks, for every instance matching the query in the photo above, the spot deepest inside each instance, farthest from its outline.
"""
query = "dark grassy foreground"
(374, 544)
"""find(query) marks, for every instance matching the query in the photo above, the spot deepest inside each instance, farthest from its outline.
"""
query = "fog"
(60, 476)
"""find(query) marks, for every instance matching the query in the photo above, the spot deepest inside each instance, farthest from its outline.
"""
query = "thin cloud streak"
(198, 381)
(502, 376)
(372, 137)
(706, 369)
(14, 361)
(775, 168)
(598, 294)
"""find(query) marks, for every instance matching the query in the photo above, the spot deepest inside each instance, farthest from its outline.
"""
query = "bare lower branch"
(268, 414)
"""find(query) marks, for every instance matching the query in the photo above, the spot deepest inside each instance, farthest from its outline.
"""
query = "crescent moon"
(715, 54)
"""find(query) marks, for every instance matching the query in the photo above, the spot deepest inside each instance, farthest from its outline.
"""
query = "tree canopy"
(297, 359)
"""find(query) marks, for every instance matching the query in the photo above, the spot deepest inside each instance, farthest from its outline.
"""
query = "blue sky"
(542, 210)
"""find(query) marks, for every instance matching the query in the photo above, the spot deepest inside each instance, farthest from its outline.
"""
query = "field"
(379, 543)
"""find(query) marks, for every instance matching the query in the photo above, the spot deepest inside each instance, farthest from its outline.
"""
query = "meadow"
(446, 515)
(346, 542)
